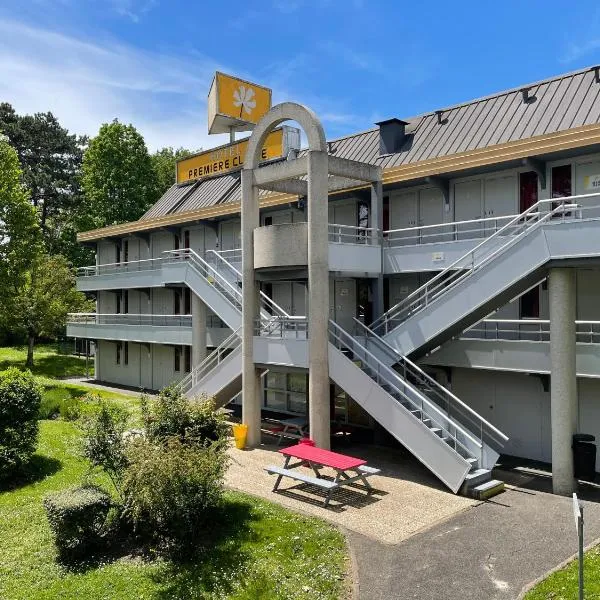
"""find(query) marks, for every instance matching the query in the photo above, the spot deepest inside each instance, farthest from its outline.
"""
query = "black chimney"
(391, 135)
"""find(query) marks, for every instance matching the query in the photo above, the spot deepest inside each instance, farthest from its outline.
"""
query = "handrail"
(440, 391)
(124, 318)
(450, 224)
(528, 330)
(188, 252)
(267, 303)
(458, 270)
(210, 361)
(364, 236)
(393, 379)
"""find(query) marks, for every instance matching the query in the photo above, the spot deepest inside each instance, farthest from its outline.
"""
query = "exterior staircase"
(500, 268)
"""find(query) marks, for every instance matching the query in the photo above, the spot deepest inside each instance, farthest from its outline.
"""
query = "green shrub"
(77, 517)
(19, 405)
(104, 441)
(195, 422)
(171, 491)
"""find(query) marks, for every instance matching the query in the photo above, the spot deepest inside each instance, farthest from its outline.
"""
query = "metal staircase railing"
(482, 254)
(452, 406)
(414, 400)
(221, 264)
(210, 362)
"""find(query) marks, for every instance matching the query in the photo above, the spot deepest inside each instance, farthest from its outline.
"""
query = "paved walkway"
(92, 383)
(487, 552)
(407, 498)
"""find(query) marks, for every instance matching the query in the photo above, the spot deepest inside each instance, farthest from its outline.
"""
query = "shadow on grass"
(213, 567)
(38, 468)
(220, 558)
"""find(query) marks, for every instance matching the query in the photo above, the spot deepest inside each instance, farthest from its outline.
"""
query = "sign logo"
(235, 104)
(230, 158)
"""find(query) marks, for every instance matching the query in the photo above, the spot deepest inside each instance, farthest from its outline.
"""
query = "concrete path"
(93, 384)
(489, 551)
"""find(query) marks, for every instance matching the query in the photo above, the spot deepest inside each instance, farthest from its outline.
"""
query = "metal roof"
(553, 105)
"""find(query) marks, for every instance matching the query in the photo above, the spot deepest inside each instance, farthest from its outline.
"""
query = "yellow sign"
(225, 159)
(235, 104)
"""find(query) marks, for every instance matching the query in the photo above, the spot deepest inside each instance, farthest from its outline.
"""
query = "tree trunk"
(30, 343)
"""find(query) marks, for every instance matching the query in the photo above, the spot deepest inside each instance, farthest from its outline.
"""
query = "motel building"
(433, 281)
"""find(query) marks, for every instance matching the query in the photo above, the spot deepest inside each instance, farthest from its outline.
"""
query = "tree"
(50, 159)
(164, 162)
(39, 305)
(118, 180)
(20, 240)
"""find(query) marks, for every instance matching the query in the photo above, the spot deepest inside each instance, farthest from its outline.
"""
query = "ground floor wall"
(144, 366)
(519, 405)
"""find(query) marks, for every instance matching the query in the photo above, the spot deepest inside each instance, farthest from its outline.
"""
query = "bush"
(104, 442)
(194, 422)
(20, 398)
(77, 517)
(59, 402)
(171, 491)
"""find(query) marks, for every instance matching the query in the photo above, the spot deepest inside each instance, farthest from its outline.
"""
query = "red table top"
(323, 457)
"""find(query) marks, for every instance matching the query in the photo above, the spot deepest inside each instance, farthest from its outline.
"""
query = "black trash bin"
(584, 456)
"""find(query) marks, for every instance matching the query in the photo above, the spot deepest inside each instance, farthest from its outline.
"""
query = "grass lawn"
(47, 362)
(268, 552)
(564, 584)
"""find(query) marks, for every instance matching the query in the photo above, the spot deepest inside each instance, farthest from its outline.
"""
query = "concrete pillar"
(377, 222)
(198, 330)
(251, 400)
(563, 381)
(318, 305)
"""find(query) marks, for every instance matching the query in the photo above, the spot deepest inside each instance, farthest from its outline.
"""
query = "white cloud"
(575, 51)
(85, 84)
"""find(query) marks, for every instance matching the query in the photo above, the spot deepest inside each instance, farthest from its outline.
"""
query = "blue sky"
(150, 62)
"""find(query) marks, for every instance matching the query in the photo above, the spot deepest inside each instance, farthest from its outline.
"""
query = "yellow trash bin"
(239, 435)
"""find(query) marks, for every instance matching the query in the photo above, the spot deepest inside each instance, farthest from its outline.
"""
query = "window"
(186, 239)
(125, 301)
(177, 356)
(528, 190)
(125, 251)
(187, 301)
(386, 213)
(268, 221)
(118, 252)
(187, 359)
(118, 298)
(176, 241)
(530, 304)
(176, 302)
(561, 181)
(126, 353)
(118, 348)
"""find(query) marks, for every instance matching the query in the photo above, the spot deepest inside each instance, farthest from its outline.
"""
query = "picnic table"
(348, 469)
(295, 427)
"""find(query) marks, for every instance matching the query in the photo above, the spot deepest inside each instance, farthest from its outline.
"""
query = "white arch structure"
(283, 176)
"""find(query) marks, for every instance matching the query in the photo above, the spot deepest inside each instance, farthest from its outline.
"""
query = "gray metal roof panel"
(167, 201)
(561, 103)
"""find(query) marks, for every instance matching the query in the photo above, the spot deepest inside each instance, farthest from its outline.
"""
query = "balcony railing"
(444, 232)
(347, 234)
(153, 320)
(282, 327)
(528, 330)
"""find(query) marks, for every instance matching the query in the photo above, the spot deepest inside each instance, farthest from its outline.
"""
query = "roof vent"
(391, 135)
(527, 99)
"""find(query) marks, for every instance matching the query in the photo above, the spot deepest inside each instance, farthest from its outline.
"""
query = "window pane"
(276, 380)
(276, 400)
(297, 403)
(297, 382)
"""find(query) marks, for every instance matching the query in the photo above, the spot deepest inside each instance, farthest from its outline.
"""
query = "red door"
(528, 190)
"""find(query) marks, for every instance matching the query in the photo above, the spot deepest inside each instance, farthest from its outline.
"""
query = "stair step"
(488, 489)
(471, 460)
(435, 430)
(477, 477)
